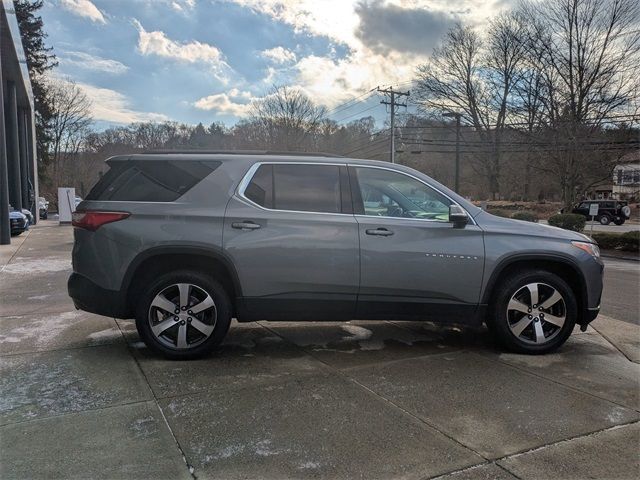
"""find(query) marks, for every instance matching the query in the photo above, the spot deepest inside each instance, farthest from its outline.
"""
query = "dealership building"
(18, 163)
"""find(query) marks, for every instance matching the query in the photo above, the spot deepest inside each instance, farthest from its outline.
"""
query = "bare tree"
(586, 52)
(287, 117)
(476, 79)
(70, 120)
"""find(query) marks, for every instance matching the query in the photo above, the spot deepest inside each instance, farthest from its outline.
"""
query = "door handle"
(245, 225)
(382, 232)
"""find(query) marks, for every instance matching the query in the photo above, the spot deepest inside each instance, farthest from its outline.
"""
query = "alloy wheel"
(536, 313)
(182, 316)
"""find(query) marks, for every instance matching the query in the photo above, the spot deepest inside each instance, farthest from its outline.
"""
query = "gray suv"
(184, 242)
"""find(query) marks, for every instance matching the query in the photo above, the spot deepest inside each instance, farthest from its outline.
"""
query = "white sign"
(66, 203)
(593, 209)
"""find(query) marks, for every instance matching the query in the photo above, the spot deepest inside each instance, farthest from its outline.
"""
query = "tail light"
(94, 220)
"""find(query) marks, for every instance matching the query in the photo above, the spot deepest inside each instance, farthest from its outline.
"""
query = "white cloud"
(157, 43)
(83, 8)
(112, 106)
(279, 55)
(331, 18)
(330, 80)
(92, 62)
(234, 102)
(183, 5)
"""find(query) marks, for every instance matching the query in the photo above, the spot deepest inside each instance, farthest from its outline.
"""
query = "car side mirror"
(458, 216)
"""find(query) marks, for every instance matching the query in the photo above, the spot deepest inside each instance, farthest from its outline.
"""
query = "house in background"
(626, 177)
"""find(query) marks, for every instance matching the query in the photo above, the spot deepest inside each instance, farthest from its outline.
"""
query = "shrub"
(607, 241)
(630, 241)
(526, 216)
(500, 213)
(568, 221)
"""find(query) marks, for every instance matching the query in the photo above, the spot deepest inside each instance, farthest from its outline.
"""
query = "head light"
(591, 248)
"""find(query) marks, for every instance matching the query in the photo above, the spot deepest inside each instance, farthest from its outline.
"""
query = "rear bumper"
(88, 296)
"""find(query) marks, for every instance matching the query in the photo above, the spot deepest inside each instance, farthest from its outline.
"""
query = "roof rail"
(241, 152)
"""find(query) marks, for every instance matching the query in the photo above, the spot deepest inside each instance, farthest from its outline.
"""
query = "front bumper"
(18, 225)
(92, 298)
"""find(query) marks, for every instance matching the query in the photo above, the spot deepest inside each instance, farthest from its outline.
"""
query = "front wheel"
(183, 315)
(605, 220)
(533, 312)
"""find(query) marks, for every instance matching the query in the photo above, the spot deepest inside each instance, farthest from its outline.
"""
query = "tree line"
(547, 94)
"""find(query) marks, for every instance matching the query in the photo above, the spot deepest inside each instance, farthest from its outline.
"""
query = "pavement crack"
(566, 440)
(190, 468)
(384, 399)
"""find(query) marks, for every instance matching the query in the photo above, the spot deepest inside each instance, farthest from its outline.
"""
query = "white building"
(626, 177)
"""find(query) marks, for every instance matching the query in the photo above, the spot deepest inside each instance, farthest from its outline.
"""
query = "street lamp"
(457, 117)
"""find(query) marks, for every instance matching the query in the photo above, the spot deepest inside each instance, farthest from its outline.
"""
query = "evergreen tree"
(39, 59)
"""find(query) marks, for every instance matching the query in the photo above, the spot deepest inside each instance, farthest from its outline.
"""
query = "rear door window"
(297, 187)
(150, 180)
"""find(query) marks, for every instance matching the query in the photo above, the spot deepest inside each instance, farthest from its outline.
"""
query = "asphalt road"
(621, 296)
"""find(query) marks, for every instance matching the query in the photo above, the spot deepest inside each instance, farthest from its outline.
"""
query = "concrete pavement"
(81, 396)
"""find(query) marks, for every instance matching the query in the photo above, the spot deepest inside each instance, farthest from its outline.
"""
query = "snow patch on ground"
(39, 297)
(144, 427)
(104, 336)
(50, 388)
(363, 337)
(44, 330)
(24, 266)
(261, 448)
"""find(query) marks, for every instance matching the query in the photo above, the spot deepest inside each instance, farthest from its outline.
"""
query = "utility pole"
(457, 117)
(392, 102)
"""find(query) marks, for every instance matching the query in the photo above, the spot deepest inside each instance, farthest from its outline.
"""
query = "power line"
(522, 150)
(374, 143)
(611, 119)
(357, 113)
(350, 103)
(446, 143)
(369, 140)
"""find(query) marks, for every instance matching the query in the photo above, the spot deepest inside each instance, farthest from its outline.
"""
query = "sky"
(206, 60)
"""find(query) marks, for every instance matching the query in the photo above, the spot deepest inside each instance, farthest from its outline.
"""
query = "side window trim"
(359, 204)
(246, 180)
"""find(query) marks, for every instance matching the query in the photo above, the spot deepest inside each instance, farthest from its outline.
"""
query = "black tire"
(15, 234)
(206, 284)
(618, 220)
(498, 321)
(604, 219)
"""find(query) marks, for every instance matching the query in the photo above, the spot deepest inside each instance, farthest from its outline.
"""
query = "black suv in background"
(608, 211)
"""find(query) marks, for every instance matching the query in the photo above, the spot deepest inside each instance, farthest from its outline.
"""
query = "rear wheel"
(605, 219)
(618, 220)
(183, 315)
(533, 312)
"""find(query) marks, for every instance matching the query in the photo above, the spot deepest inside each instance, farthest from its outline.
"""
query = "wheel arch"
(562, 266)
(159, 260)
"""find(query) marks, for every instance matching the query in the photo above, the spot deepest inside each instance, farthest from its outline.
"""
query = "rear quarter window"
(150, 180)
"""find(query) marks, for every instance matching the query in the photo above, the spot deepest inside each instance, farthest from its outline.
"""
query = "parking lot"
(83, 398)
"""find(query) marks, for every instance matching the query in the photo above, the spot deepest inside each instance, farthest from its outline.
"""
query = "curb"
(616, 257)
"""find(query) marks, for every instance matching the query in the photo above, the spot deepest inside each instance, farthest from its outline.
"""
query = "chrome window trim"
(244, 183)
